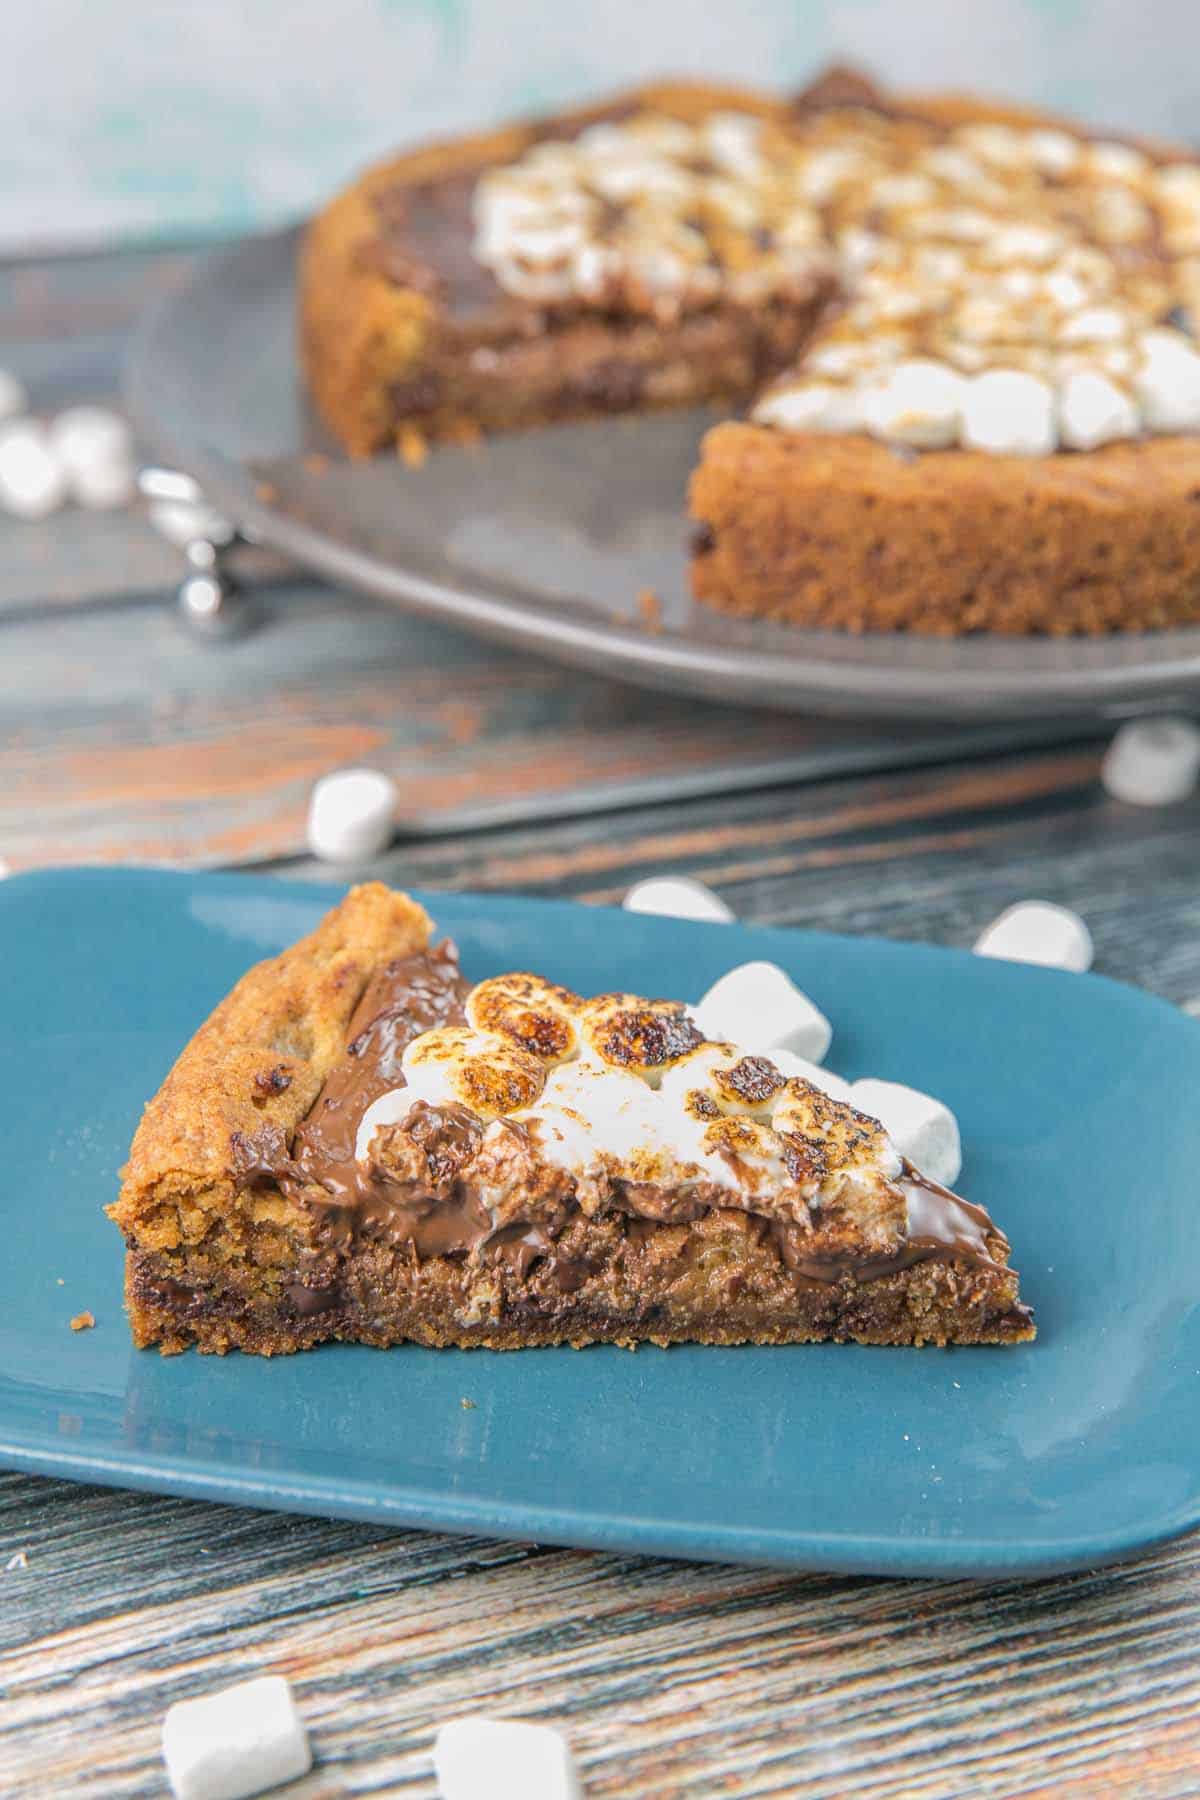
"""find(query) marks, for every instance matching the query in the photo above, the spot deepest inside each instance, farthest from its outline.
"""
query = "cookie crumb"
(467, 1405)
(83, 1321)
(316, 462)
(650, 609)
(267, 492)
(19, 1561)
(413, 449)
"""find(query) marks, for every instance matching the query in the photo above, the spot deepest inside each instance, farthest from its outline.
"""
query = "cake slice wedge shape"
(360, 1145)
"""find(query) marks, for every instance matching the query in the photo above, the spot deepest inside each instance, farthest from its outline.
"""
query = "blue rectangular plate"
(1077, 1102)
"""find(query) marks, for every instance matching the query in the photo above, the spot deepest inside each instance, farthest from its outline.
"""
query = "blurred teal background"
(127, 119)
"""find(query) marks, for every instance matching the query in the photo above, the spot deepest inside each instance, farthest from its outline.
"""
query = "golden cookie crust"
(259, 1061)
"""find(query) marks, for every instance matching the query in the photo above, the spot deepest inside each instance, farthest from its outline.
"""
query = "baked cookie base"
(712, 1282)
(828, 531)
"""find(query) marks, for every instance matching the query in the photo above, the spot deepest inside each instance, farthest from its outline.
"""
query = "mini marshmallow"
(13, 398)
(814, 406)
(1037, 931)
(1168, 382)
(32, 480)
(1053, 152)
(95, 448)
(1009, 413)
(922, 1128)
(919, 404)
(829, 1083)
(760, 1007)
(677, 897)
(1153, 762)
(503, 1759)
(351, 815)
(1092, 410)
(241, 1741)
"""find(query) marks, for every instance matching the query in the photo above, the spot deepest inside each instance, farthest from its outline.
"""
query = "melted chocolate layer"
(440, 1215)
(942, 1227)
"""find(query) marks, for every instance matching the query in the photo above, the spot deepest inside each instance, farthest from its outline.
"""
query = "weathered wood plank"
(120, 737)
(926, 854)
(670, 1681)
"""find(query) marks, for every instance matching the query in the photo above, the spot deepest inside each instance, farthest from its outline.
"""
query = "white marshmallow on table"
(829, 1083)
(1037, 931)
(32, 480)
(922, 1128)
(677, 897)
(13, 398)
(241, 1741)
(95, 448)
(351, 815)
(1153, 762)
(759, 1007)
(503, 1759)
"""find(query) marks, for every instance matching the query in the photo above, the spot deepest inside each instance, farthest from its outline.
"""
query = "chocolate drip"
(412, 995)
(941, 1227)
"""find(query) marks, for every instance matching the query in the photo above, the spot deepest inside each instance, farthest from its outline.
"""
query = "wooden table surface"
(121, 738)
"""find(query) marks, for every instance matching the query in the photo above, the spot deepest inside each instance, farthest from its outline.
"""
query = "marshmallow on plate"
(32, 481)
(1153, 762)
(241, 1741)
(503, 1759)
(758, 1006)
(351, 815)
(922, 1128)
(677, 897)
(1037, 931)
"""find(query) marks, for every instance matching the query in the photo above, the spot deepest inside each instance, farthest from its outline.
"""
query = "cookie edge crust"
(259, 1060)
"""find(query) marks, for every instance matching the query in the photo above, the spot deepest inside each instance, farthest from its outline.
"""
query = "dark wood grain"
(124, 738)
(927, 855)
(120, 737)
(670, 1681)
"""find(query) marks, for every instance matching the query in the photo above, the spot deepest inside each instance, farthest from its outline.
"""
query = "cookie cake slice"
(360, 1145)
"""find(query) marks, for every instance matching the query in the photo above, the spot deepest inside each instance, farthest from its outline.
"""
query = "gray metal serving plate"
(545, 539)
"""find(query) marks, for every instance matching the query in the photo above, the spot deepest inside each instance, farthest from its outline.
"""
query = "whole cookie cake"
(960, 336)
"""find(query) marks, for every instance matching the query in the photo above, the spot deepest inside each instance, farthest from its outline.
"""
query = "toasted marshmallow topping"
(985, 248)
(536, 1016)
(630, 1092)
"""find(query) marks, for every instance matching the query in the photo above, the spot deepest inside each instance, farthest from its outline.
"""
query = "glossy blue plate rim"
(1071, 1452)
